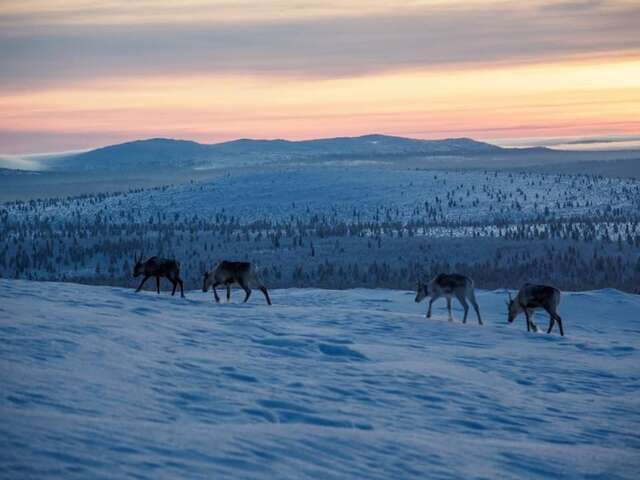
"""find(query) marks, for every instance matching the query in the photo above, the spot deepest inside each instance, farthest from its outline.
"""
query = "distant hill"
(166, 153)
(140, 154)
(366, 144)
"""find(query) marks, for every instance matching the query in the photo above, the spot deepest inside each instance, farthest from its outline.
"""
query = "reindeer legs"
(475, 307)
(215, 292)
(551, 322)
(228, 292)
(263, 289)
(530, 323)
(158, 283)
(465, 306)
(246, 289)
(554, 316)
(526, 314)
(431, 300)
(177, 281)
(559, 320)
(142, 283)
(255, 278)
(449, 309)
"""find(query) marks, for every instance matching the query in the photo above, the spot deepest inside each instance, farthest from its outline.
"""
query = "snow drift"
(100, 382)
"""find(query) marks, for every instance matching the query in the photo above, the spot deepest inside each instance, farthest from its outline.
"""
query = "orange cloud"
(598, 97)
(78, 74)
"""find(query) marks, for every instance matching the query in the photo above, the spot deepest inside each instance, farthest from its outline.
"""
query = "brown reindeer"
(532, 297)
(449, 285)
(158, 267)
(226, 273)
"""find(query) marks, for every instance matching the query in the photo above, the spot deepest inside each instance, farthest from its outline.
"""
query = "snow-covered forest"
(366, 226)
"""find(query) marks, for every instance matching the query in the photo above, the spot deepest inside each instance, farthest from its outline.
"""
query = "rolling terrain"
(161, 161)
(99, 382)
(342, 227)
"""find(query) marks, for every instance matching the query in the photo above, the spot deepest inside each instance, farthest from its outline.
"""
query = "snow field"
(100, 382)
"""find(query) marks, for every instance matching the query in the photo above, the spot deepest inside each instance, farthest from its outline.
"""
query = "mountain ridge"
(169, 152)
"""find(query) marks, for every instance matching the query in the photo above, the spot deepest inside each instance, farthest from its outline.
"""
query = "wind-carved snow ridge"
(100, 382)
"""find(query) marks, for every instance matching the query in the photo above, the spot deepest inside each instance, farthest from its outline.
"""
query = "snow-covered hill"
(164, 152)
(465, 197)
(342, 227)
(100, 382)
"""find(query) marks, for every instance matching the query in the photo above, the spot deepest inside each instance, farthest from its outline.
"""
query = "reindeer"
(158, 267)
(226, 273)
(532, 297)
(449, 285)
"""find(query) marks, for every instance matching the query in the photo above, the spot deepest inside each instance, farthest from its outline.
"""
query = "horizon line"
(508, 142)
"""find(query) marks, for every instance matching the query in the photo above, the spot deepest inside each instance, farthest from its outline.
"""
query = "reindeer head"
(138, 268)
(512, 308)
(422, 291)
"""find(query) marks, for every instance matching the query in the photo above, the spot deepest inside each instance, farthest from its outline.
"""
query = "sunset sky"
(77, 74)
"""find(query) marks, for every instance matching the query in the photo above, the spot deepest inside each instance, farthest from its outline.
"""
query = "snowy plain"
(100, 382)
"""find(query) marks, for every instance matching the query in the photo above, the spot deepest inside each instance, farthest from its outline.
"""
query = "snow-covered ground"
(100, 382)
(276, 194)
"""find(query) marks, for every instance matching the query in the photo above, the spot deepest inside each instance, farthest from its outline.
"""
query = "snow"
(100, 382)
(278, 193)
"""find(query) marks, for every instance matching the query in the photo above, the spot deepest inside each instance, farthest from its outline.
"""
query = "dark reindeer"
(532, 297)
(449, 285)
(158, 267)
(228, 273)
